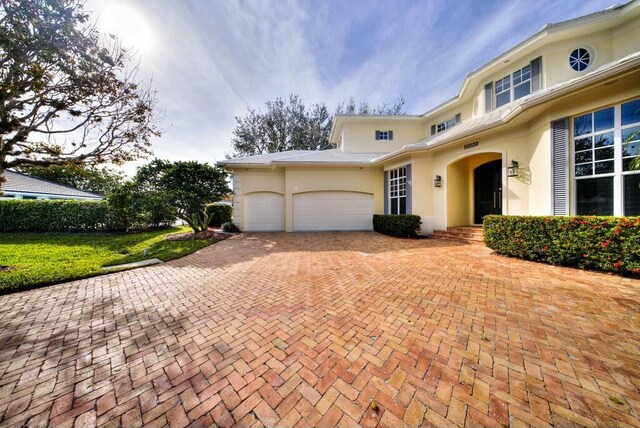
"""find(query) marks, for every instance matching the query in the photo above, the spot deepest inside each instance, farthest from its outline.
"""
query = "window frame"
(508, 85)
(618, 173)
(397, 183)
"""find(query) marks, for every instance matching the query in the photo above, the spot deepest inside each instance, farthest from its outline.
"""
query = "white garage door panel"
(316, 211)
(264, 212)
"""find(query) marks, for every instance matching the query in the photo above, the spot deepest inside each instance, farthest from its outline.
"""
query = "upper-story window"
(514, 86)
(579, 59)
(384, 135)
(443, 126)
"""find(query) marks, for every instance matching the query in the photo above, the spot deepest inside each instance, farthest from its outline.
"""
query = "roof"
(22, 183)
(304, 157)
(510, 111)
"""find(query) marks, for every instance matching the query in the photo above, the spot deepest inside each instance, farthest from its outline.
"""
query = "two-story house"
(547, 128)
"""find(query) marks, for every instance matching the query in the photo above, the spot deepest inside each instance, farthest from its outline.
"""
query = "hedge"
(610, 244)
(402, 225)
(56, 216)
(219, 214)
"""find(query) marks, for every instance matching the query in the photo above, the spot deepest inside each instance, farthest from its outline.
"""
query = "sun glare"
(129, 25)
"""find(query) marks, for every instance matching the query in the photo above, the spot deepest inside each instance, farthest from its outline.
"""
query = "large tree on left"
(66, 93)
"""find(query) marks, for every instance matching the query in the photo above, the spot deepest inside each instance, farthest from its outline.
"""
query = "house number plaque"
(471, 145)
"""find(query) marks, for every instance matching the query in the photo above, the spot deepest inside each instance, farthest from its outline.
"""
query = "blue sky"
(211, 60)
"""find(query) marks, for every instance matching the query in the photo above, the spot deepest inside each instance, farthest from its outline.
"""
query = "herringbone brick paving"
(311, 329)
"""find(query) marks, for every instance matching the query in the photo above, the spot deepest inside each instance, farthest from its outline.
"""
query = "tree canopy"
(89, 178)
(187, 186)
(290, 125)
(66, 93)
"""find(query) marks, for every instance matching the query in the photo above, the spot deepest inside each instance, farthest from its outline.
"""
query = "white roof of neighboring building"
(22, 183)
(304, 157)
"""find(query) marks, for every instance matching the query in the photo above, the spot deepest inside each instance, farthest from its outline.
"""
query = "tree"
(89, 178)
(386, 109)
(66, 94)
(285, 125)
(290, 125)
(188, 186)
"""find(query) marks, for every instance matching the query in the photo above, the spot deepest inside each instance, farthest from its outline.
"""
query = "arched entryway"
(474, 188)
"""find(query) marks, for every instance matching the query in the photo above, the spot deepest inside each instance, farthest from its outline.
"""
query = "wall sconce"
(437, 182)
(513, 169)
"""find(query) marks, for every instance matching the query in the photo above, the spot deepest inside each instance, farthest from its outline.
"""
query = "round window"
(580, 59)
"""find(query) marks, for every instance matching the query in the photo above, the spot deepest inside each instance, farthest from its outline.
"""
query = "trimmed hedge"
(219, 214)
(610, 244)
(56, 216)
(402, 225)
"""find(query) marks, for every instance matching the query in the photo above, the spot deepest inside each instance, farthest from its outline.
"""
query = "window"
(514, 86)
(384, 135)
(398, 191)
(580, 59)
(443, 126)
(604, 144)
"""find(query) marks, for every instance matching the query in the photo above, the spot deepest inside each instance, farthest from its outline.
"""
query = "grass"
(36, 259)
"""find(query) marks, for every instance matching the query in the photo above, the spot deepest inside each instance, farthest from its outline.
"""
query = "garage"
(317, 211)
(264, 212)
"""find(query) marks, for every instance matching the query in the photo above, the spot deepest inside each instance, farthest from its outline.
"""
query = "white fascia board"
(591, 79)
(545, 32)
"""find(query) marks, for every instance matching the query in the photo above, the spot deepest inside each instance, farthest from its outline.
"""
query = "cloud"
(210, 61)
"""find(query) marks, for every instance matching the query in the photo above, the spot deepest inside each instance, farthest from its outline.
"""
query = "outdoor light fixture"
(512, 169)
(437, 182)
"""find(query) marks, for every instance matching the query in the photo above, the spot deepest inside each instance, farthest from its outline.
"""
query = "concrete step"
(463, 234)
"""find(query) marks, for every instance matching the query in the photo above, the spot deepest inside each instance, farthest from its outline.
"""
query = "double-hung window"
(398, 190)
(605, 142)
(513, 86)
(384, 135)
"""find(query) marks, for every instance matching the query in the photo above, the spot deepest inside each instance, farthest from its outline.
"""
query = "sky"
(211, 60)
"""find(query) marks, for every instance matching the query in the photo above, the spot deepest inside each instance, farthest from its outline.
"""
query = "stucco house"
(23, 186)
(545, 128)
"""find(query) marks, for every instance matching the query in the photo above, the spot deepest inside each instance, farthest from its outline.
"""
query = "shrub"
(56, 216)
(402, 225)
(219, 214)
(230, 227)
(601, 243)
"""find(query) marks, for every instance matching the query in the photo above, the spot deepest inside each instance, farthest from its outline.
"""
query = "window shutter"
(536, 74)
(386, 192)
(409, 192)
(377, 135)
(488, 97)
(433, 129)
(390, 135)
(458, 117)
(560, 166)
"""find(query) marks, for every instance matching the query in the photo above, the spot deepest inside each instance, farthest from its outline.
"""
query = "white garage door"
(263, 212)
(332, 211)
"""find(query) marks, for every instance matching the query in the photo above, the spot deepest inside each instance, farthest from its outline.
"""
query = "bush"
(402, 225)
(601, 243)
(230, 227)
(219, 214)
(56, 216)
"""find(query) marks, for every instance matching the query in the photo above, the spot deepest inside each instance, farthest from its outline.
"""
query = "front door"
(487, 181)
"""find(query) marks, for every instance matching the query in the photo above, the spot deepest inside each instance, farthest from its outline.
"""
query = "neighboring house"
(22, 186)
(560, 104)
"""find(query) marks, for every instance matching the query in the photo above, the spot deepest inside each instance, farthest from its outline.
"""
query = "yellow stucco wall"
(358, 138)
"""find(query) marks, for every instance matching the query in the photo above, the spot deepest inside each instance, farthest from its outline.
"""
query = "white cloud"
(211, 60)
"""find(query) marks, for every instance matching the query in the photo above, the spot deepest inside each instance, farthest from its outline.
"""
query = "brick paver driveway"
(325, 329)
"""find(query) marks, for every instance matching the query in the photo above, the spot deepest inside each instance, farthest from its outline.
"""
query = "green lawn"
(36, 259)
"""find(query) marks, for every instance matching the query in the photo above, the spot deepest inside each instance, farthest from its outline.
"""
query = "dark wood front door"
(487, 181)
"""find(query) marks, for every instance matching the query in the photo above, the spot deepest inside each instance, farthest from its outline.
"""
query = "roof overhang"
(620, 69)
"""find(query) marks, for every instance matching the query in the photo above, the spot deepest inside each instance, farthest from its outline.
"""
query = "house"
(22, 186)
(546, 128)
